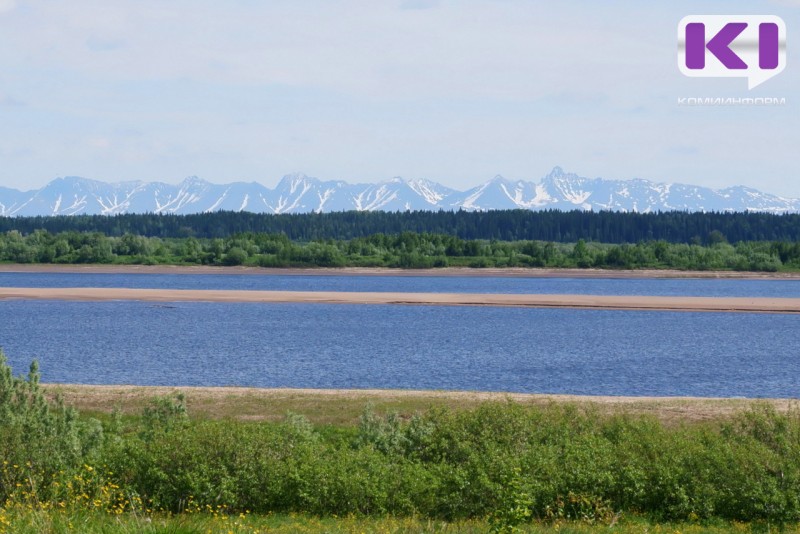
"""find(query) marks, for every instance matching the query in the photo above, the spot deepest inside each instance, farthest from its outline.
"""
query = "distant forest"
(509, 225)
(710, 250)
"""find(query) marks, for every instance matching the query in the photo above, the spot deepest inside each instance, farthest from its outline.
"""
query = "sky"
(362, 91)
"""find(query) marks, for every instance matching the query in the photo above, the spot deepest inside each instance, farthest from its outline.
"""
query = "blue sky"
(366, 90)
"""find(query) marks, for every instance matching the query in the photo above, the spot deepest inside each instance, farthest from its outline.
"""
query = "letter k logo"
(719, 45)
(738, 46)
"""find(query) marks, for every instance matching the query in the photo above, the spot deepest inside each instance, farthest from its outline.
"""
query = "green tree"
(235, 256)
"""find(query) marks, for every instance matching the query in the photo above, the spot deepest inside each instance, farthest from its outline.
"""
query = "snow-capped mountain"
(11, 200)
(298, 193)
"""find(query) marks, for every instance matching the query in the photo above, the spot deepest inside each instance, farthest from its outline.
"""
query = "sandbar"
(602, 302)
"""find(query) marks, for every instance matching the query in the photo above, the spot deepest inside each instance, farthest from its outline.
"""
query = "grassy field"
(344, 407)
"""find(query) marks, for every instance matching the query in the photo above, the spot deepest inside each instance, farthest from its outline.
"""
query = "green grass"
(343, 408)
(86, 522)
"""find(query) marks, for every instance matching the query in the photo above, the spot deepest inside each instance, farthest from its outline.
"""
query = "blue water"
(435, 284)
(425, 347)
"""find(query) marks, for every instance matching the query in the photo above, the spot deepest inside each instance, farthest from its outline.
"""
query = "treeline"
(510, 225)
(506, 462)
(405, 250)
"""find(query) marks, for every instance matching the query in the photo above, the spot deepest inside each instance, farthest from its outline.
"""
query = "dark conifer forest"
(604, 240)
(504, 225)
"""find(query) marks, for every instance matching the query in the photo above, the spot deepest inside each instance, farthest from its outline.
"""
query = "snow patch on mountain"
(298, 193)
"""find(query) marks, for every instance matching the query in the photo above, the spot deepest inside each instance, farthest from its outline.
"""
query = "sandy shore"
(740, 304)
(343, 406)
(515, 272)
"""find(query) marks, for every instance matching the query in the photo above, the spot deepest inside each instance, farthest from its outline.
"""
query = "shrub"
(40, 442)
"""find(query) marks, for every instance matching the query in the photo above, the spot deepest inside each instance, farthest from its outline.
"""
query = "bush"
(40, 442)
(501, 461)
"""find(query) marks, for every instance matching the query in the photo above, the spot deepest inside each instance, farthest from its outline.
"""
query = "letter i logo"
(727, 46)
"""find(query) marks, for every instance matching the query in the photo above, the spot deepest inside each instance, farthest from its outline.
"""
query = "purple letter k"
(719, 45)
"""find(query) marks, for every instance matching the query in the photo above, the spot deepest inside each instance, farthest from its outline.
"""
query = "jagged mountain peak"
(299, 193)
(194, 181)
(294, 179)
(559, 175)
(294, 176)
(74, 181)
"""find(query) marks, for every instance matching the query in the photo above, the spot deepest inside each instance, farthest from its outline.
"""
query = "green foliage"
(514, 506)
(502, 461)
(386, 434)
(39, 442)
(164, 414)
(405, 250)
(506, 225)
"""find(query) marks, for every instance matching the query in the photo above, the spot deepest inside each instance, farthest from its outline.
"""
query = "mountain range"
(298, 193)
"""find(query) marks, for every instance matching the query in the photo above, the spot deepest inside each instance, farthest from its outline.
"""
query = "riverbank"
(517, 272)
(344, 406)
(561, 462)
